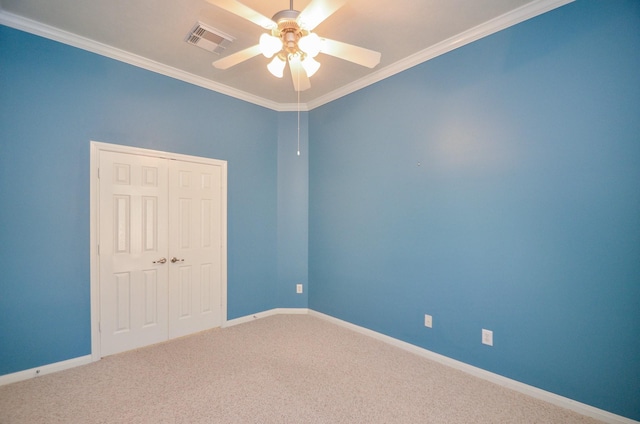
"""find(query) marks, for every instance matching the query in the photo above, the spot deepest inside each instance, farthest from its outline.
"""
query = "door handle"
(160, 261)
(174, 260)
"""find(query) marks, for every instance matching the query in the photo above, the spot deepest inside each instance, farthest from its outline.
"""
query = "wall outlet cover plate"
(487, 337)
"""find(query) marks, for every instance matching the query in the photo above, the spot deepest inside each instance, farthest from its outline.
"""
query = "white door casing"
(160, 205)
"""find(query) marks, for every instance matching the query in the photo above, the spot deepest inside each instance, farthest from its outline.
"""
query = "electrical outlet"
(298, 288)
(428, 321)
(487, 337)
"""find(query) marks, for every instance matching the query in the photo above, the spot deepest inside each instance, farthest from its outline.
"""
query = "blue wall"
(54, 100)
(293, 209)
(498, 187)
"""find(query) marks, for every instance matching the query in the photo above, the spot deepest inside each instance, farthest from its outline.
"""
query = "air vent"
(210, 39)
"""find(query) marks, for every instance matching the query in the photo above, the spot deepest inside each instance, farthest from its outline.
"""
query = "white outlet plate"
(487, 337)
(298, 288)
(428, 321)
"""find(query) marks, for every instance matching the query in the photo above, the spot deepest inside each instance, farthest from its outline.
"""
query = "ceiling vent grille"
(208, 38)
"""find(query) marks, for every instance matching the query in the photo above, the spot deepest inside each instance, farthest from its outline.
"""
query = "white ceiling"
(151, 34)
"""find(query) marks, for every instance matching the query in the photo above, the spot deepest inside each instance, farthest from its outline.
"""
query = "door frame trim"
(95, 148)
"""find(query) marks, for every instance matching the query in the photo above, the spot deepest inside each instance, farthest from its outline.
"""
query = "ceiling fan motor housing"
(288, 30)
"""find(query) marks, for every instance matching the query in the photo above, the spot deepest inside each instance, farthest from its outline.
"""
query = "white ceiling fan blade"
(237, 57)
(317, 11)
(245, 12)
(355, 54)
(301, 81)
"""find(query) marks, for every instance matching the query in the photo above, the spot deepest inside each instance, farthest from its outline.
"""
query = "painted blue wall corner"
(293, 209)
(498, 187)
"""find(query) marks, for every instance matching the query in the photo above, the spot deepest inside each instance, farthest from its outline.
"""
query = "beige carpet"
(281, 369)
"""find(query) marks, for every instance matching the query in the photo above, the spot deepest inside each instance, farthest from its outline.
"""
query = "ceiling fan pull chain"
(298, 109)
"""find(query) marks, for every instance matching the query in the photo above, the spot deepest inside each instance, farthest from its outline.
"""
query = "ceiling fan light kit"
(310, 66)
(311, 44)
(269, 45)
(276, 66)
(290, 39)
(290, 42)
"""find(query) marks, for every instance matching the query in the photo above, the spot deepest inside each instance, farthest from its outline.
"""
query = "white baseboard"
(534, 392)
(84, 360)
(44, 370)
(264, 314)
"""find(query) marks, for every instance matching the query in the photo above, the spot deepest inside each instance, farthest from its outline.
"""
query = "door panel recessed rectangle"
(122, 282)
(149, 223)
(122, 224)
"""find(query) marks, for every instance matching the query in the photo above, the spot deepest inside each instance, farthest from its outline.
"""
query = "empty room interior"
(475, 201)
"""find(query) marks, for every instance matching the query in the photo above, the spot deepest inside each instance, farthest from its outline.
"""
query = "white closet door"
(195, 237)
(133, 250)
(161, 248)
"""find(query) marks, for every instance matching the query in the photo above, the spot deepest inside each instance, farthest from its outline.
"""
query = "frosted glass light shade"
(270, 45)
(276, 67)
(310, 44)
(310, 66)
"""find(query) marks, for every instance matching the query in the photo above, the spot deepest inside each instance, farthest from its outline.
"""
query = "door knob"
(160, 261)
(174, 260)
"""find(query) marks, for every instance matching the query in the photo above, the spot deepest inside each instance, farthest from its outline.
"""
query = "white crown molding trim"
(508, 383)
(492, 26)
(293, 107)
(65, 37)
(485, 29)
(44, 370)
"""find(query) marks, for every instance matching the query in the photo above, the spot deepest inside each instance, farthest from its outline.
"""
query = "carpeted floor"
(281, 369)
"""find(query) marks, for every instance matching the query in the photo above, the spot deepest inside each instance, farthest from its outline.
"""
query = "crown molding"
(485, 29)
(65, 37)
(492, 26)
(293, 107)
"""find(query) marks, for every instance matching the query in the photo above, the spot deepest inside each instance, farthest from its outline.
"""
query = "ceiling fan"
(290, 39)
